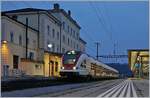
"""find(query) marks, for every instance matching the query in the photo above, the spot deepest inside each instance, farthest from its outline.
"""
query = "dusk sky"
(125, 24)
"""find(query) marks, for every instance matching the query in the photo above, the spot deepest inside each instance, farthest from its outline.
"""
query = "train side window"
(84, 61)
(83, 65)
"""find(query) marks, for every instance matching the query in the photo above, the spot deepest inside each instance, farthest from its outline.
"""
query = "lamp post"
(49, 46)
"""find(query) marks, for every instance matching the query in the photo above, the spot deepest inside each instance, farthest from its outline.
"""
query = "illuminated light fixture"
(69, 53)
(50, 45)
(73, 52)
(74, 60)
(4, 42)
(74, 68)
(62, 68)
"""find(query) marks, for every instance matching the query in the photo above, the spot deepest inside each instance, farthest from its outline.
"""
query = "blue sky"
(125, 24)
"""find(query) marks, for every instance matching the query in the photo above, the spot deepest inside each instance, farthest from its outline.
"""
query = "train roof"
(104, 65)
(96, 61)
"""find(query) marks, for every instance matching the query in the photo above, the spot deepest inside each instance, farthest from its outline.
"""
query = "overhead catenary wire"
(100, 19)
(89, 37)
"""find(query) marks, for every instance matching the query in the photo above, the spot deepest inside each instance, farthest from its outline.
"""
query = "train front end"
(69, 63)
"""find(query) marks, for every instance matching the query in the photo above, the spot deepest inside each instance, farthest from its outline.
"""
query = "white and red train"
(79, 64)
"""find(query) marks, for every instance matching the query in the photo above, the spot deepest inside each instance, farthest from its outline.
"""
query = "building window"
(11, 37)
(53, 47)
(57, 35)
(14, 17)
(77, 36)
(20, 40)
(71, 43)
(68, 28)
(56, 66)
(47, 45)
(31, 55)
(63, 50)
(63, 25)
(28, 40)
(74, 34)
(48, 29)
(71, 32)
(64, 38)
(53, 33)
(34, 42)
(57, 48)
(68, 41)
(74, 45)
(38, 66)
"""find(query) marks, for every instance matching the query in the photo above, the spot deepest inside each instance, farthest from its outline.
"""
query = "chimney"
(56, 6)
(69, 12)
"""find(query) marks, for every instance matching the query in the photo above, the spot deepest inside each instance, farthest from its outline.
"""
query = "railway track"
(53, 89)
(35, 83)
(83, 88)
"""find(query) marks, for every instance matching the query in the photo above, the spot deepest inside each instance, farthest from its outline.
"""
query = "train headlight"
(74, 68)
(62, 68)
(74, 60)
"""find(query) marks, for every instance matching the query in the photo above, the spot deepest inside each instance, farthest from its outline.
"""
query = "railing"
(16, 73)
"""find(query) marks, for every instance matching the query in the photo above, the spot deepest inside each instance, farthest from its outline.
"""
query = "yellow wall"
(145, 59)
(14, 48)
(55, 58)
(33, 68)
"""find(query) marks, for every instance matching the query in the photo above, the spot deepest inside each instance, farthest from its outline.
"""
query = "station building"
(17, 57)
(139, 62)
(54, 27)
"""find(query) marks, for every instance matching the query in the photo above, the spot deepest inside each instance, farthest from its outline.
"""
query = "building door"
(52, 71)
(5, 70)
(15, 61)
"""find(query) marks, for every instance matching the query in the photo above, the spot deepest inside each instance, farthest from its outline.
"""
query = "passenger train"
(79, 64)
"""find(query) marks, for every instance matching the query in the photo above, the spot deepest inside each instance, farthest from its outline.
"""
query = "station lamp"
(50, 45)
(4, 42)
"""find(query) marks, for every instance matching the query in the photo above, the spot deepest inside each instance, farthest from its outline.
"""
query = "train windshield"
(70, 57)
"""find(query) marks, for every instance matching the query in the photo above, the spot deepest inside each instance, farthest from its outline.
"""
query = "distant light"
(74, 68)
(69, 53)
(4, 42)
(73, 52)
(50, 45)
(62, 68)
(74, 60)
